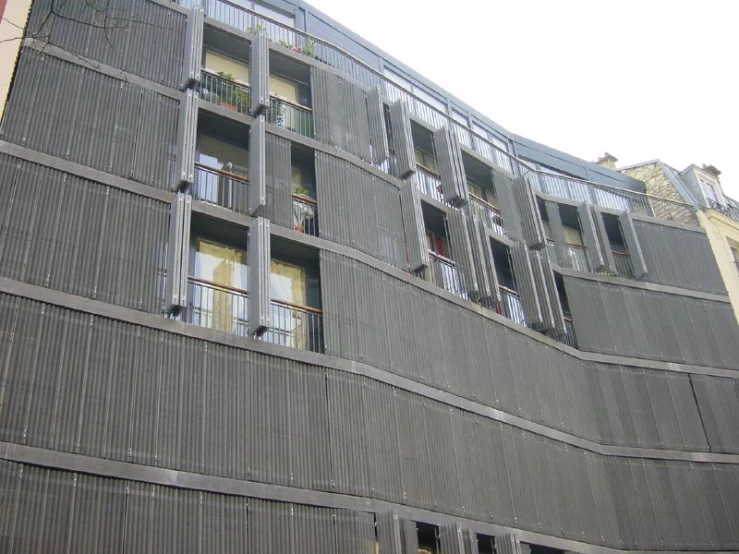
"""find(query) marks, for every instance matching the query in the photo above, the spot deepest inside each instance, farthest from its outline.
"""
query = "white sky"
(641, 79)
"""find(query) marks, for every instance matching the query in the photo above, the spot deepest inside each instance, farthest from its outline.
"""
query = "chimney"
(608, 161)
(712, 169)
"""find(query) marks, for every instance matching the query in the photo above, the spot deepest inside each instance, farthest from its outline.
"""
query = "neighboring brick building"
(660, 180)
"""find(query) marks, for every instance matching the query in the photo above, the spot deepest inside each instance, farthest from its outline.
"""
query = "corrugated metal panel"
(542, 289)
(718, 402)
(259, 74)
(487, 277)
(49, 220)
(177, 241)
(590, 236)
(461, 249)
(528, 208)
(259, 255)
(507, 544)
(377, 130)
(124, 35)
(605, 243)
(79, 115)
(451, 539)
(524, 277)
(279, 208)
(388, 533)
(257, 167)
(409, 536)
(507, 201)
(191, 66)
(355, 531)
(415, 230)
(633, 245)
(400, 123)
(695, 268)
(558, 233)
(451, 167)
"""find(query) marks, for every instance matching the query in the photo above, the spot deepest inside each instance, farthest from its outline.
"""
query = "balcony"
(444, 274)
(305, 215)
(293, 117)
(225, 309)
(220, 187)
(624, 267)
(489, 214)
(511, 306)
(428, 183)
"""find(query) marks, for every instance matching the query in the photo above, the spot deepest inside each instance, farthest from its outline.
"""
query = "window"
(287, 282)
(709, 189)
(221, 173)
(427, 160)
(219, 154)
(216, 62)
(437, 244)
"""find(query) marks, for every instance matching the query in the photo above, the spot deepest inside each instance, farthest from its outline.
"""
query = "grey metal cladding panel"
(524, 277)
(191, 66)
(438, 423)
(528, 208)
(388, 533)
(551, 291)
(633, 245)
(415, 231)
(451, 539)
(415, 464)
(590, 236)
(278, 175)
(718, 403)
(558, 233)
(402, 139)
(186, 138)
(716, 506)
(482, 259)
(259, 257)
(461, 248)
(507, 202)
(726, 330)
(507, 544)
(79, 115)
(600, 229)
(377, 130)
(124, 36)
(257, 167)
(687, 415)
(542, 287)
(409, 536)
(665, 412)
(321, 104)
(259, 74)
(451, 167)
(174, 254)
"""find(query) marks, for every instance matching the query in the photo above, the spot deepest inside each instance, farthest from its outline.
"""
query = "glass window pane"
(217, 62)
(221, 264)
(287, 282)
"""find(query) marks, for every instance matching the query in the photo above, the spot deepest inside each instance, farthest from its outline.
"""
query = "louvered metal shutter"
(257, 168)
(259, 258)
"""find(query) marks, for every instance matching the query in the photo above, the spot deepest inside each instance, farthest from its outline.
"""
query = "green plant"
(240, 99)
(310, 47)
(302, 191)
(285, 44)
(225, 76)
(255, 29)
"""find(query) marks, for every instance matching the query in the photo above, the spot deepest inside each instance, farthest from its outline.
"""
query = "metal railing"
(444, 274)
(624, 267)
(727, 210)
(511, 305)
(489, 214)
(225, 92)
(249, 20)
(569, 338)
(293, 117)
(305, 215)
(226, 309)
(221, 187)
(427, 182)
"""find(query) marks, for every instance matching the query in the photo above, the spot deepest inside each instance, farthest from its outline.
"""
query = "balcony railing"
(569, 338)
(305, 215)
(511, 306)
(624, 267)
(444, 274)
(224, 92)
(427, 182)
(293, 117)
(226, 309)
(221, 187)
(489, 214)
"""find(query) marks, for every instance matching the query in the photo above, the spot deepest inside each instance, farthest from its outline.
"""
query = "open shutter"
(259, 74)
(483, 258)
(469, 538)
(461, 244)
(528, 208)
(451, 167)
(388, 533)
(278, 181)
(590, 236)
(378, 132)
(415, 230)
(508, 544)
(187, 129)
(405, 156)
(633, 245)
(608, 262)
(193, 48)
(409, 536)
(548, 295)
(178, 248)
(558, 233)
(259, 258)
(452, 541)
(545, 301)
(524, 276)
(507, 203)
(257, 168)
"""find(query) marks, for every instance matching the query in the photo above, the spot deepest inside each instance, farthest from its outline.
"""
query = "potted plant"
(227, 91)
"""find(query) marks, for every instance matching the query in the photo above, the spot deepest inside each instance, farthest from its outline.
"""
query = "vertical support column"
(605, 244)
(405, 156)
(507, 203)
(451, 167)
(558, 233)
(459, 240)
(528, 207)
(259, 74)
(414, 228)
(259, 255)
(193, 48)
(524, 277)
(378, 132)
(187, 130)
(257, 168)
(178, 249)
(590, 236)
(633, 245)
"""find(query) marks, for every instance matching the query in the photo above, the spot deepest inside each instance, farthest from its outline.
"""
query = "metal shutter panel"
(257, 168)
(451, 167)
(405, 156)
(259, 258)
(415, 230)
(193, 48)
(459, 240)
(187, 129)
(259, 74)
(590, 236)
(633, 245)
(378, 132)
(558, 233)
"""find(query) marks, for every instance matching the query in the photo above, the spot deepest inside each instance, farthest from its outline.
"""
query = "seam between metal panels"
(110, 71)
(101, 467)
(620, 281)
(127, 315)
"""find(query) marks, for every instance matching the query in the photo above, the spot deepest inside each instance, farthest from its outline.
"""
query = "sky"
(639, 79)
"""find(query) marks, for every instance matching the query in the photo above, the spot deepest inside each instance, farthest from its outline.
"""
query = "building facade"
(264, 289)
